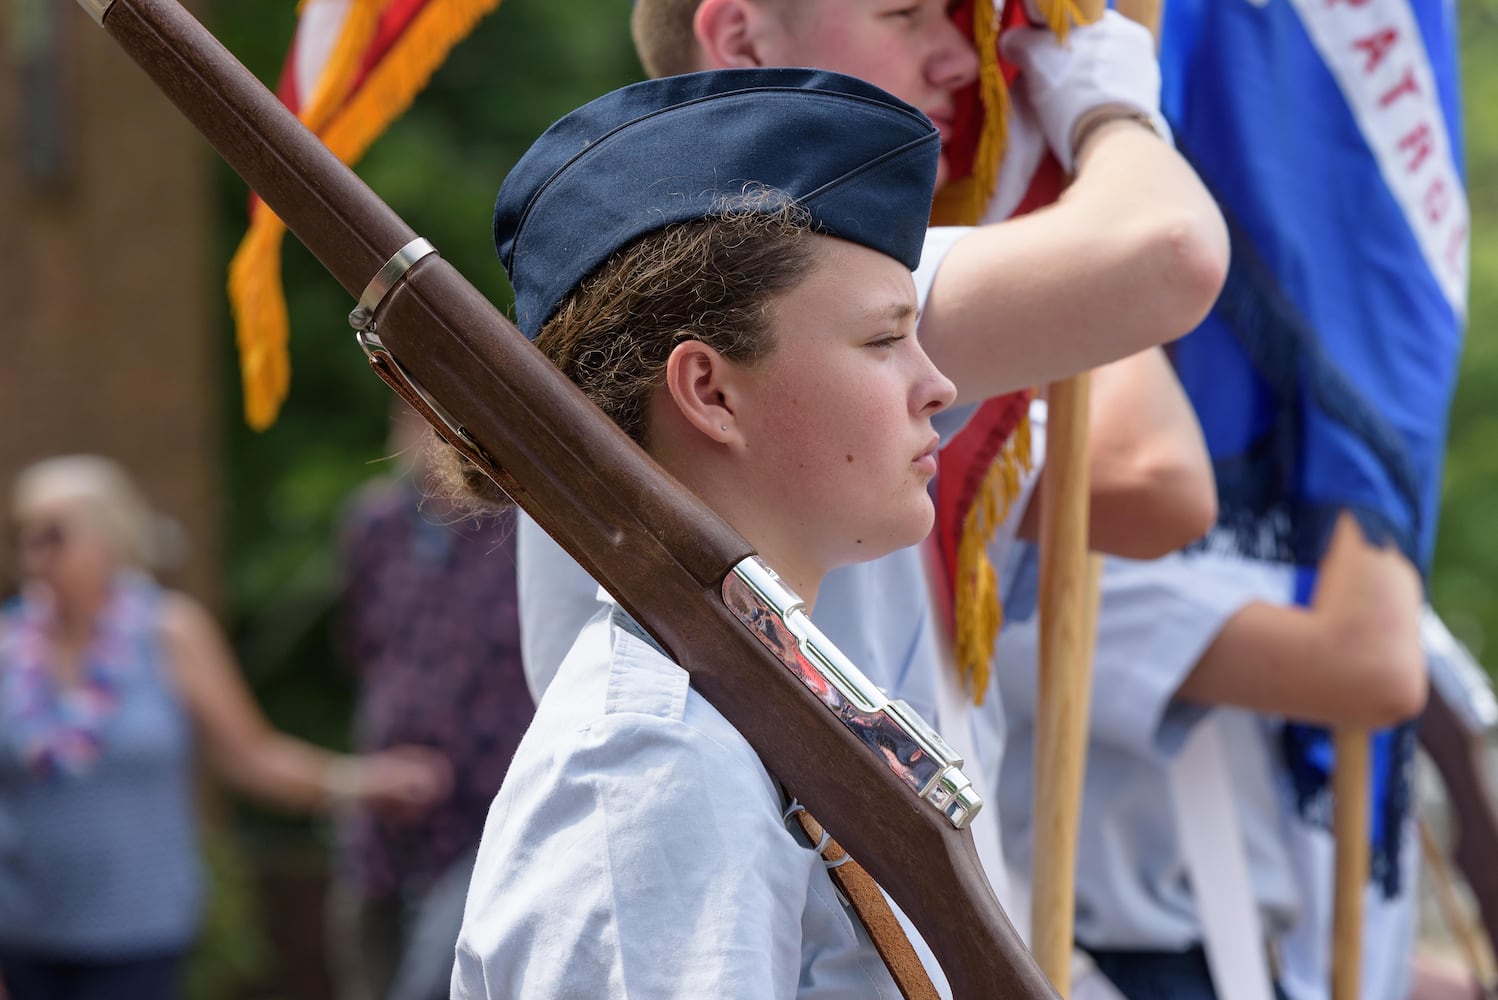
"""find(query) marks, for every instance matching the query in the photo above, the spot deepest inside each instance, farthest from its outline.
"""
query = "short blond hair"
(104, 491)
(664, 39)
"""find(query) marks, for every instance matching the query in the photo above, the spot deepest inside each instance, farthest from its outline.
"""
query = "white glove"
(1109, 64)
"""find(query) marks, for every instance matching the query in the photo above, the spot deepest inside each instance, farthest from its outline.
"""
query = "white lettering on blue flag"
(1375, 51)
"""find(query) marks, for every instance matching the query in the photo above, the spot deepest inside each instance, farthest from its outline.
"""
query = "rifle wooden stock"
(1461, 757)
(656, 547)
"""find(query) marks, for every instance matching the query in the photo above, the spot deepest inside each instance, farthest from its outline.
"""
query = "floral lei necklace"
(59, 728)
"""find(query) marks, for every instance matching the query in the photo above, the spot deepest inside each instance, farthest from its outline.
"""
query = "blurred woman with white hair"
(109, 686)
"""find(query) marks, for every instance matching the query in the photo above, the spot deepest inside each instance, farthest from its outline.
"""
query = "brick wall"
(108, 341)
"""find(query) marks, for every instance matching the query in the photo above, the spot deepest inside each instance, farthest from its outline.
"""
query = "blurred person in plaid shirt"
(428, 624)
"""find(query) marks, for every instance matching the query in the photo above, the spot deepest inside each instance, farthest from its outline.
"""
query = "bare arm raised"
(1132, 255)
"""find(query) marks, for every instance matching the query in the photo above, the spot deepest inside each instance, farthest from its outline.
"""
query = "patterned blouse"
(429, 624)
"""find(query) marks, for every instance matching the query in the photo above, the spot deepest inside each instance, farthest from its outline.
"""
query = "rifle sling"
(863, 894)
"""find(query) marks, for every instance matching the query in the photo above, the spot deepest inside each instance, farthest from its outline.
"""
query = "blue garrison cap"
(862, 164)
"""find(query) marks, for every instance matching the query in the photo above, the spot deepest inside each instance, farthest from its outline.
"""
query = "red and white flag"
(354, 67)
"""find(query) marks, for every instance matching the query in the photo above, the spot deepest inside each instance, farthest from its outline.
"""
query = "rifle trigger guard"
(97, 9)
(362, 318)
(410, 390)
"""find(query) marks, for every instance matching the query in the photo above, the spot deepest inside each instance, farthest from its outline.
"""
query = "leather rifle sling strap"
(863, 894)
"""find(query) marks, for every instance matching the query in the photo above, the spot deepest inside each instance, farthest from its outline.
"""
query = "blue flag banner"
(1330, 132)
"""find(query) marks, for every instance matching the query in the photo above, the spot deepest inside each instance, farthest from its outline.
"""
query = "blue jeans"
(1160, 975)
(34, 977)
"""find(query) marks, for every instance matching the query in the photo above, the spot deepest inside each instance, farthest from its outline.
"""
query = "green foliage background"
(439, 167)
(1464, 585)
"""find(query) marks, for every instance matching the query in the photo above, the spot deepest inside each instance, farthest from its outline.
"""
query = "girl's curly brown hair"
(713, 280)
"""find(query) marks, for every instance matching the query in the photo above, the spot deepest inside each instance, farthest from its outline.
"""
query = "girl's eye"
(905, 12)
(887, 343)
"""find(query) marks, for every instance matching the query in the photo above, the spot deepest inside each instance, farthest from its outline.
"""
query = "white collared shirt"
(637, 849)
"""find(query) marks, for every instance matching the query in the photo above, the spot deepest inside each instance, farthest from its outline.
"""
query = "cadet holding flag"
(1322, 380)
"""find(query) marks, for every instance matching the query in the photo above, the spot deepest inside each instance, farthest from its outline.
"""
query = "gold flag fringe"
(348, 126)
(260, 319)
(977, 611)
(1060, 15)
(394, 83)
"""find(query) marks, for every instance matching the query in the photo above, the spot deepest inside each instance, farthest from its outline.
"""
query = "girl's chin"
(911, 531)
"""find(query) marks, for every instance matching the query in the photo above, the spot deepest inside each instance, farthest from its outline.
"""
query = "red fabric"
(394, 20)
(965, 461)
(961, 466)
(967, 120)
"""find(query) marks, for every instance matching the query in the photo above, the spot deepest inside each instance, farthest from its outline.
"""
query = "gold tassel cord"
(393, 84)
(348, 126)
(256, 299)
(978, 612)
(1062, 15)
(962, 202)
(993, 141)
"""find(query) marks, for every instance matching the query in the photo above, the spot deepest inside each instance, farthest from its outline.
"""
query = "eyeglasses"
(48, 536)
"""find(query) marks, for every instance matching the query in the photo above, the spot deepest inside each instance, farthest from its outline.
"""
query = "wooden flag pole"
(1146, 12)
(1351, 792)
(1069, 578)
(1067, 588)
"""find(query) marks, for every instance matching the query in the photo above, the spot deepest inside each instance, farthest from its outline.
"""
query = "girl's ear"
(727, 34)
(701, 384)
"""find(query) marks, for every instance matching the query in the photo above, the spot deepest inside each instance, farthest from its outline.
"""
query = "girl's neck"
(805, 581)
(743, 503)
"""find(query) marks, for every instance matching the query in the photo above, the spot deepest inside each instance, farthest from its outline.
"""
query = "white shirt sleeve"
(557, 598)
(939, 242)
(624, 883)
(637, 850)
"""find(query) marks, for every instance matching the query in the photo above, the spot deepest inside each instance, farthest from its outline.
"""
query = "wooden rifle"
(882, 782)
(1455, 729)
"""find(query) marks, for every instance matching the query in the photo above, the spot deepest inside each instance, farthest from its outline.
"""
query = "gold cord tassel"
(348, 127)
(993, 141)
(1062, 15)
(978, 612)
(963, 201)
